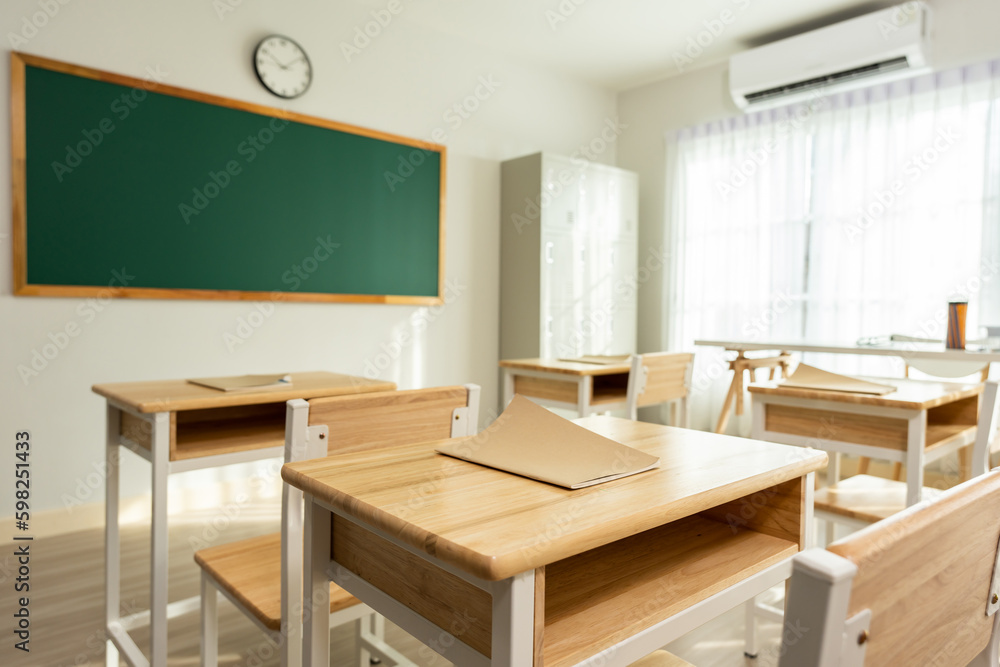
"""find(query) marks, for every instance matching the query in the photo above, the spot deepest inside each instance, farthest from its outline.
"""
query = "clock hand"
(276, 61)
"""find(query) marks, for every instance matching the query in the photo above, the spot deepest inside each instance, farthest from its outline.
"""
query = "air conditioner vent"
(837, 77)
(884, 46)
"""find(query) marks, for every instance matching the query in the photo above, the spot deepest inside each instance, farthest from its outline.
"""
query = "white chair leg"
(360, 653)
(750, 630)
(209, 623)
(377, 622)
(831, 532)
(111, 654)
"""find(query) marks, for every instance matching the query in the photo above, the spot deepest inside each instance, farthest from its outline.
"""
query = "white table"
(904, 350)
(178, 426)
(968, 360)
(570, 385)
(495, 569)
(919, 422)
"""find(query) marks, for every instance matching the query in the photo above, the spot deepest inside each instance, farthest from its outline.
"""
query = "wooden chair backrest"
(383, 419)
(667, 377)
(925, 576)
(331, 425)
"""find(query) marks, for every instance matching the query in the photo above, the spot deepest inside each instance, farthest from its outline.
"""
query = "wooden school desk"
(918, 423)
(178, 426)
(570, 385)
(904, 350)
(488, 568)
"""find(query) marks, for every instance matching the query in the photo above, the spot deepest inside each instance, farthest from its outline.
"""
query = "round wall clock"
(282, 66)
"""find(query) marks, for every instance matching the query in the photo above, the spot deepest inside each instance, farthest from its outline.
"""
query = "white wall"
(403, 82)
(963, 32)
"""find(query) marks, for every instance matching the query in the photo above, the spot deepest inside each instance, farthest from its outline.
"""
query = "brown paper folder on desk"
(602, 359)
(809, 377)
(530, 441)
(245, 382)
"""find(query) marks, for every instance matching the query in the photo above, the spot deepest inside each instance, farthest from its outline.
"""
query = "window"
(854, 215)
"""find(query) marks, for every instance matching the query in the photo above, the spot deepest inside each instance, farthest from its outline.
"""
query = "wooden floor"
(67, 603)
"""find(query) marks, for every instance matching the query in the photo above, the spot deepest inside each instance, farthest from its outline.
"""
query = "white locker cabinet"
(567, 259)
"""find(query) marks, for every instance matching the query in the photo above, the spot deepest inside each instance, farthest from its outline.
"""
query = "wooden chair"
(660, 377)
(262, 576)
(920, 588)
(661, 659)
(864, 499)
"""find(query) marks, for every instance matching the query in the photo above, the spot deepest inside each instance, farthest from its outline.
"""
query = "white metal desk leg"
(916, 440)
(112, 538)
(508, 387)
(514, 621)
(159, 548)
(832, 477)
(750, 628)
(584, 388)
(758, 417)
(316, 586)
(809, 511)
(209, 623)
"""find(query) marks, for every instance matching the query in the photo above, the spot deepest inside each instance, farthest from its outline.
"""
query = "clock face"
(282, 66)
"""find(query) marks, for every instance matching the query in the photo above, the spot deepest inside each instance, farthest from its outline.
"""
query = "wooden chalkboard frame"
(19, 61)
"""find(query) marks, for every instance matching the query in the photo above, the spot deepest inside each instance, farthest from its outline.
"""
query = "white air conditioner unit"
(885, 45)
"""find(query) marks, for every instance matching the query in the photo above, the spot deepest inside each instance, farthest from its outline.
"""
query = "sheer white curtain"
(854, 215)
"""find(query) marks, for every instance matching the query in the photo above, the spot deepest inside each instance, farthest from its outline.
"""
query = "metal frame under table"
(488, 568)
(178, 426)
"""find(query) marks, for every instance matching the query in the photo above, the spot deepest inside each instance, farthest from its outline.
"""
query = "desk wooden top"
(172, 395)
(909, 394)
(493, 524)
(566, 367)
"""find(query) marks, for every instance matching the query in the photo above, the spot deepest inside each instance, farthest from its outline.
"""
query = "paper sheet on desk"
(530, 441)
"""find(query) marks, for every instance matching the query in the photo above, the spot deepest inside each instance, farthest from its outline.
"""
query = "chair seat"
(866, 498)
(661, 659)
(250, 571)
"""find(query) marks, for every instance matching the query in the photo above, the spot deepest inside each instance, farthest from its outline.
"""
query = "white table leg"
(750, 649)
(159, 546)
(584, 388)
(112, 538)
(316, 586)
(508, 387)
(916, 440)
(832, 477)
(758, 416)
(833, 468)
(808, 511)
(209, 623)
(514, 620)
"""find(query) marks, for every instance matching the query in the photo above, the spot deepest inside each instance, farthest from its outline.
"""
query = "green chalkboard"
(133, 188)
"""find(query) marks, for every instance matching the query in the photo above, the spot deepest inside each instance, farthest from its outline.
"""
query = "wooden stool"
(661, 659)
(738, 366)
